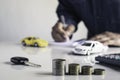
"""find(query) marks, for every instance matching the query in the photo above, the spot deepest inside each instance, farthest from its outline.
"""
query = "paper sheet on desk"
(68, 43)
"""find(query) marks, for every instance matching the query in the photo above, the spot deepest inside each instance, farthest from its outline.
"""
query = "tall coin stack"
(59, 67)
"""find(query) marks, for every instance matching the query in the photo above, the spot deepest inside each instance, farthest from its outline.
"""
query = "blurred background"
(22, 18)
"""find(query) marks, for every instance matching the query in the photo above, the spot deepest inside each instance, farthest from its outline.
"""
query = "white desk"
(44, 57)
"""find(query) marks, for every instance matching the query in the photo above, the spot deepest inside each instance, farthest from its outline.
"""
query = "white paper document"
(68, 43)
(61, 43)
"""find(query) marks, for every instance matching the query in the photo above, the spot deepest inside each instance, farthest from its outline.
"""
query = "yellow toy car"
(33, 41)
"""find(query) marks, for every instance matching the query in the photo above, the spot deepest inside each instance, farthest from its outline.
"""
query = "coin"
(86, 70)
(99, 71)
(74, 69)
(58, 66)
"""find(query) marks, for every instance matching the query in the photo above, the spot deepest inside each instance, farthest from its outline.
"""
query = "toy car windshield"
(36, 38)
(86, 44)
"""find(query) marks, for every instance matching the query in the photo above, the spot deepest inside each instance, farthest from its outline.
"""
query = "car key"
(23, 61)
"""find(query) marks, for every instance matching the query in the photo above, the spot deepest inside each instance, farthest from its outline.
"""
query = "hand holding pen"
(65, 27)
(61, 31)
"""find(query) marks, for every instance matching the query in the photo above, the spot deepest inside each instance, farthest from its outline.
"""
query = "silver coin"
(87, 70)
(59, 66)
(74, 69)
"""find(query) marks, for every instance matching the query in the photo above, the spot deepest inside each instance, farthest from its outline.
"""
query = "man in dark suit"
(101, 17)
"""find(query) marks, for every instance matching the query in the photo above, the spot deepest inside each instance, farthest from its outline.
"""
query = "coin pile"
(74, 69)
(87, 70)
(58, 67)
(99, 71)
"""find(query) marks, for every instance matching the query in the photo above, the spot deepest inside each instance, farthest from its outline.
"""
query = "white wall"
(21, 18)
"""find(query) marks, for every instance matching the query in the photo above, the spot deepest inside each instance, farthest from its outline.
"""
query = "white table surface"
(44, 57)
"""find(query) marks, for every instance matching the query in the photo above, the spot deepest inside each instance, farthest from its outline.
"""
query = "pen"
(64, 25)
(63, 21)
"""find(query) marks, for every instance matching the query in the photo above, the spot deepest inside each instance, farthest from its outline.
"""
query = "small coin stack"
(74, 69)
(99, 71)
(86, 70)
(59, 67)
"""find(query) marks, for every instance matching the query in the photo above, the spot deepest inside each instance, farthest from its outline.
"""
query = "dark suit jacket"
(98, 15)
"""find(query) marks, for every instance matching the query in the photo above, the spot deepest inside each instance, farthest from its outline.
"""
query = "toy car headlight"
(77, 49)
(83, 49)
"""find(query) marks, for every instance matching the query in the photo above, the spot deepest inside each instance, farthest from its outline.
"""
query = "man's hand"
(60, 33)
(108, 38)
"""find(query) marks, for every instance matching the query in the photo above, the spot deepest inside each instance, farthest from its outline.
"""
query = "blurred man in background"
(101, 17)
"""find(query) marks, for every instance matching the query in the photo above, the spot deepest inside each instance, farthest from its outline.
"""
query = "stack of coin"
(99, 71)
(58, 67)
(74, 69)
(86, 70)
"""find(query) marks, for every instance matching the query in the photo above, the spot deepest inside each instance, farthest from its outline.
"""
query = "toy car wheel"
(88, 53)
(36, 45)
(23, 43)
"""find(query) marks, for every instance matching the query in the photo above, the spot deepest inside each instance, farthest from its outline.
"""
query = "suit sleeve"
(65, 9)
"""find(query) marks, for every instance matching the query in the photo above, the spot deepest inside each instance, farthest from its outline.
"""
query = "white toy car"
(89, 47)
